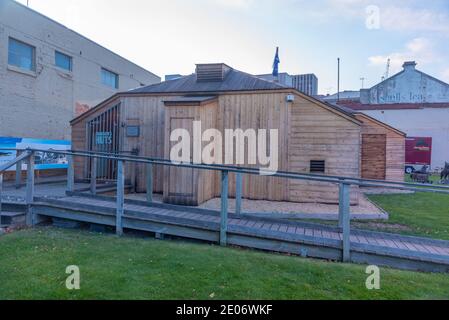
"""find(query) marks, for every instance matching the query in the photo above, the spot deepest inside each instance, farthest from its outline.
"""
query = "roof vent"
(409, 65)
(211, 72)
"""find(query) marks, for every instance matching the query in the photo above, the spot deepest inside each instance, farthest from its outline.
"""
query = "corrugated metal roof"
(234, 81)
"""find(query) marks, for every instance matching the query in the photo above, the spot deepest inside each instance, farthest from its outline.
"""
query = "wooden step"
(12, 218)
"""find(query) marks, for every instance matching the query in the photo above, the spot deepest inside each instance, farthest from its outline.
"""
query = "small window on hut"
(317, 166)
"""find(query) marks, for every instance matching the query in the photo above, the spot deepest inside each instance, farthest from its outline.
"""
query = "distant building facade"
(408, 86)
(305, 83)
(49, 74)
(415, 103)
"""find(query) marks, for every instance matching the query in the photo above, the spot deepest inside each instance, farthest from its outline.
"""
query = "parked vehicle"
(418, 153)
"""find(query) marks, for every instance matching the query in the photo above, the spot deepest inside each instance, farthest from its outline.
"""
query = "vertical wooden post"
(224, 208)
(70, 174)
(340, 204)
(1, 189)
(30, 190)
(120, 197)
(93, 176)
(149, 182)
(18, 172)
(238, 193)
(345, 218)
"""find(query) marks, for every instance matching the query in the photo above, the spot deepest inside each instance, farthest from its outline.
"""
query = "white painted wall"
(40, 104)
(428, 122)
(408, 86)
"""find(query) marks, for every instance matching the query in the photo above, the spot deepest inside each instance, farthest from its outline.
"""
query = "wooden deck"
(300, 238)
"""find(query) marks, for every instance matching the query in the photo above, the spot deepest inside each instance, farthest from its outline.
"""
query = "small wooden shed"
(314, 136)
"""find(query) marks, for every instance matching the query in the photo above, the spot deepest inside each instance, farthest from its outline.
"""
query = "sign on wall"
(43, 160)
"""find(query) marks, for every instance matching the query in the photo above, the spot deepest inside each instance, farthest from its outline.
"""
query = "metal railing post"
(93, 176)
(18, 172)
(30, 190)
(70, 174)
(238, 193)
(224, 208)
(345, 220)
(120, 198)
(149, 182)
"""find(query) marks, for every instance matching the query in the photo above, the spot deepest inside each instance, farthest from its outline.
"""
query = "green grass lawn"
(421, 214)
(33, 263)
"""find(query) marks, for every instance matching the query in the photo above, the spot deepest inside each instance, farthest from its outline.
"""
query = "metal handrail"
(256, 171)
(344, 184)
(12, 163)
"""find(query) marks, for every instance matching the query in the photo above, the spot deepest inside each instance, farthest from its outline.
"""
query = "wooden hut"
(313, 137)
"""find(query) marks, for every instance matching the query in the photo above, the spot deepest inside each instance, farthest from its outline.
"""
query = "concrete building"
(413, 102)
(346, 95)
(305, 83)
(49, 74)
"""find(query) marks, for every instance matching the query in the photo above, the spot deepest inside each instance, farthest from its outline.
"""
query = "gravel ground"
(364, 207)
(261, 206)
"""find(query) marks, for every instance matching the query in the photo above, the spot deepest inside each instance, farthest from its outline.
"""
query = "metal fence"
(344, 184)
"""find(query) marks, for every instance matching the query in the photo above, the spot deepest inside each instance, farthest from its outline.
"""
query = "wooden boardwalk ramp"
(299, 238)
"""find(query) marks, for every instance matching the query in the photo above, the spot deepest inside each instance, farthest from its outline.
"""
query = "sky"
(171, 36)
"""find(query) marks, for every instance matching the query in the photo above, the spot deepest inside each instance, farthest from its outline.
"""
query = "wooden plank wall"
(151, 113)
(395, 148)
(319, 134)
(203, 181)
(257, 111)
(307, 131)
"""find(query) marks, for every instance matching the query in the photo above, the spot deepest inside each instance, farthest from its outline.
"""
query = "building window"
(63, 61)
(21, 55)
(317, 166)
(109, 78)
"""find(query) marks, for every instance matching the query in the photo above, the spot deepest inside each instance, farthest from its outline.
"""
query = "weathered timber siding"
(395, 157)
(319, 134)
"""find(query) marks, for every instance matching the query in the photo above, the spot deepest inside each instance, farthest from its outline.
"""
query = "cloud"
(404, 16)
(239, 4)
(421, 50)
(408, 19)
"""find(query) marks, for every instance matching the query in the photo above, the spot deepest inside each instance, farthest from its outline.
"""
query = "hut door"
(103, 136)
(181, 180)
(374, 156)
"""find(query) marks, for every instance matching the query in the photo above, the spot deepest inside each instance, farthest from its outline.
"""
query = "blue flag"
(276, 63)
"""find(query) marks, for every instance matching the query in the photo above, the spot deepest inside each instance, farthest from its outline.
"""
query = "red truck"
(418, 153)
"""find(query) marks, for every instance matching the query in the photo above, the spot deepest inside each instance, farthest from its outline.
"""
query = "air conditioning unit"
(290, 98)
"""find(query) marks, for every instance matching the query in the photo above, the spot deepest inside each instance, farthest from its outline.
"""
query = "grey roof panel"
(234, 81)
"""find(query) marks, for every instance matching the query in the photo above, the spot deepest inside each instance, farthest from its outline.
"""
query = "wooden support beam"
(18, 172)
(70, 174)
(120, 198)
(149, 182)
(238, 193)
(224, 208)
(345, 220)
(93, 176)
(1, 189)
(30, 190)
